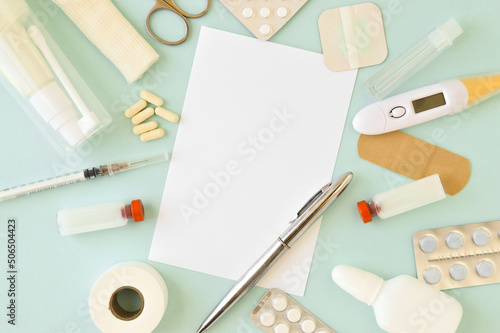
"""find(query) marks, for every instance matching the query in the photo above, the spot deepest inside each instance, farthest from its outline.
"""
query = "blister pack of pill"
(277, 312)
(263, 17)
(459, 256)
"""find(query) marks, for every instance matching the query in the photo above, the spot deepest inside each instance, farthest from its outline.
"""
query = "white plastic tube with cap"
(401, 304)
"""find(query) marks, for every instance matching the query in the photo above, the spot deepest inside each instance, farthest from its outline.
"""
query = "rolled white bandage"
(115, 37)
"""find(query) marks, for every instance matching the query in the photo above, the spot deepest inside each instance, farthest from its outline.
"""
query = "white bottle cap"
(57, 110)
(363, 285)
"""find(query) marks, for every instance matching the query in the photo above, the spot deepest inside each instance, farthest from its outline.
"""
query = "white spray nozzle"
(363, 285)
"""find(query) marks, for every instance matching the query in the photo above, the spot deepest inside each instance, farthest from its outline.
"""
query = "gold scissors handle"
(171, 6)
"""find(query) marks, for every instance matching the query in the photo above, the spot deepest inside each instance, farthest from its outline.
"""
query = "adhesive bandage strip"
(352, 37)
(113, 35)
(415, 159)
(458, 256)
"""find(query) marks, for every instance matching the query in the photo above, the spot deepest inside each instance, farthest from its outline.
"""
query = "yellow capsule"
(168, 115)
(134, 109)
(146, 127)
(143, 115)
(152, 135)
(151, 98)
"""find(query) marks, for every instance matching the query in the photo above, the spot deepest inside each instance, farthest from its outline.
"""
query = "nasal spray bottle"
(402, 304)
(44, 82)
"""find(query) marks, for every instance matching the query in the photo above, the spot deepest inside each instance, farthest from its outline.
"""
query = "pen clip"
(310, 202)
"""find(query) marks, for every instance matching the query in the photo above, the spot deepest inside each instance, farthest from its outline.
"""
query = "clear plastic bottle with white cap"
(401, 304)
(99, 217)
(414, 59)
(402, 199)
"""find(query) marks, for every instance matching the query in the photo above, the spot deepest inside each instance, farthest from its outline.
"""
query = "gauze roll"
(113, 35)
(107, 313)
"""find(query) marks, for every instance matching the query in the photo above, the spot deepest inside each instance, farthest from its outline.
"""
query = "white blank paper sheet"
(259, 135)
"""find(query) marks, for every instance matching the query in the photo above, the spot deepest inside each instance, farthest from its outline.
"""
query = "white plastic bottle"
(402, 199)
(99, 217)
(402, 304)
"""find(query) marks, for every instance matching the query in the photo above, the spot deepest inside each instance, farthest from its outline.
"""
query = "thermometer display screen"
(429, 102)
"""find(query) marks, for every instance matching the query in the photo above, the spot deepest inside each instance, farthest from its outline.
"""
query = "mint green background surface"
(56, 273)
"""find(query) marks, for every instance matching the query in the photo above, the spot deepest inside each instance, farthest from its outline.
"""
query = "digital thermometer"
(424, 104)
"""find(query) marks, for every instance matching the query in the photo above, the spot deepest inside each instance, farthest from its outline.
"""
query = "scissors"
(171, 6)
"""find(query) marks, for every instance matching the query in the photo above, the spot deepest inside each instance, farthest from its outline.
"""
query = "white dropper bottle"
(402, 304)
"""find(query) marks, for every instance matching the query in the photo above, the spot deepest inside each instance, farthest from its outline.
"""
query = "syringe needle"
(109, 169)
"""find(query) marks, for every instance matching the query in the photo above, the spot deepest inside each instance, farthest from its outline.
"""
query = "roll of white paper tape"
(108, 314)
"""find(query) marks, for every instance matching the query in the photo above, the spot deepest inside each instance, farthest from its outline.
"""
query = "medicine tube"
(402, 199)
(99, 217)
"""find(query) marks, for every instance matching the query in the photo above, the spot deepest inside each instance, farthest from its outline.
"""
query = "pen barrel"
(247, 281)
(307, 218)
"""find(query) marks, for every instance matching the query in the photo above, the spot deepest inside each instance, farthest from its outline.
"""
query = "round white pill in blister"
(481, 237)
(247, 12)
(485, 268)
(454, 240)
(459, 272)
(294, 315)
(432, 275)
(281, 328)
(308, 326)
(267, 319)
(428, 244)
(265, 29)
(282, 12)
(279, 303)
(265, 12)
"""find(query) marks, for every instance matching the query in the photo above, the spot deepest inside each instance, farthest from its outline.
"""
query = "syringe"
(103, 170)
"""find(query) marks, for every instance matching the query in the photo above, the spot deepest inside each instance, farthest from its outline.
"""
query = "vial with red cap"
(99, 217)
(402, 199)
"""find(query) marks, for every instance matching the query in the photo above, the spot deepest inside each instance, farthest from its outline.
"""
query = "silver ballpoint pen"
(311, 211)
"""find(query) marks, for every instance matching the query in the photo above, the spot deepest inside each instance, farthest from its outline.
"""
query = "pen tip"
(202, 328)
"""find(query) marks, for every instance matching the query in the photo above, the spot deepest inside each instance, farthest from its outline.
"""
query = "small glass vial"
(99, 217)
(414, 59)
(402, 199)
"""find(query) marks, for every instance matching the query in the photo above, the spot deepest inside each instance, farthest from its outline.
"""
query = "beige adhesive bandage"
(352, 37)
(415, 159)
(113, 35)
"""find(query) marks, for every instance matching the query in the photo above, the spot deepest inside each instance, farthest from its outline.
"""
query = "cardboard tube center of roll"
(118, 311)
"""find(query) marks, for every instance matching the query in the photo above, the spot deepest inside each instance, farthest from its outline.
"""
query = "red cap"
(364, 211)
(136, 211)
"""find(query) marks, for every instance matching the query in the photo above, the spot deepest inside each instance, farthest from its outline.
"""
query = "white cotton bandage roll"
(115, 37)
(108, 314)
